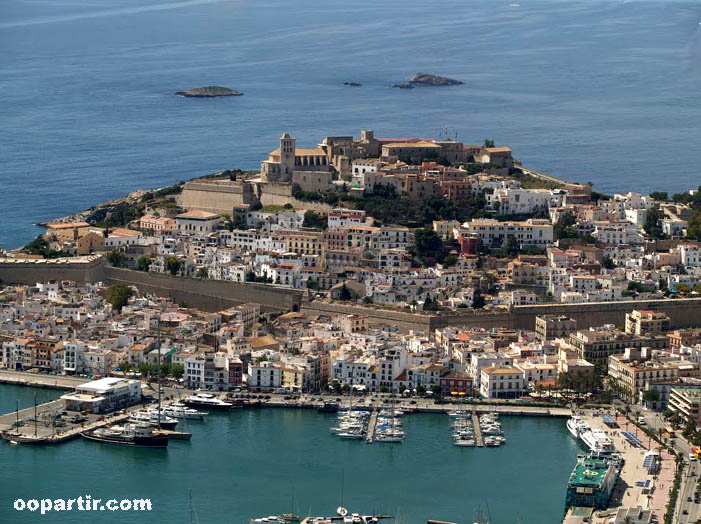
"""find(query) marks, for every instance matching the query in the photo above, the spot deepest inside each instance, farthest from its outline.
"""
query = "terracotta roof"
(197, 214)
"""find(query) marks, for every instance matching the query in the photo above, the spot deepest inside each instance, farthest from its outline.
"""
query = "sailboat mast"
(158, 342)
(35, 415)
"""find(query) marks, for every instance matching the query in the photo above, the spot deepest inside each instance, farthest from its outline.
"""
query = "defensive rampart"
(28, 271)
(208, 295)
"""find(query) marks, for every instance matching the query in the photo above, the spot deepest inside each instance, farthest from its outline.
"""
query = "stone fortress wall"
(214, 295)
(222, 196)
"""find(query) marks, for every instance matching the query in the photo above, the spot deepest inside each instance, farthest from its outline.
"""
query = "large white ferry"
(576, 426)
(597, 440)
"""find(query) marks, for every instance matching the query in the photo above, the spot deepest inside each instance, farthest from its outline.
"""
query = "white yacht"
(576, 425)
(151, 417)
(207, 401)
(181, 411)
(596, 440)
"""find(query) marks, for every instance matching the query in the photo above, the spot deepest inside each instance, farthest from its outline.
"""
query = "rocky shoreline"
(427, 79)
(209, 92)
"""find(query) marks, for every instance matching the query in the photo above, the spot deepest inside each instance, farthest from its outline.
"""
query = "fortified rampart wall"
(15, 271)
(214, 295)
(208, 295)
(222, 197)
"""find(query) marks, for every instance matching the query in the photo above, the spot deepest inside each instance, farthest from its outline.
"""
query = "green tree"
(689, 428)
(125, 366)
(177, 371)
(651, 395)
(345, 293)
(420, 389)
(316, 220)
(512, 246)
(478, 302)
(118, 296)
(694, 226)
(564, 227)
(436, 390)
(428, 246)
(653, 222)
(683, 289)
(116, 258)
(488, 142)
(172, 265)
(143, 263)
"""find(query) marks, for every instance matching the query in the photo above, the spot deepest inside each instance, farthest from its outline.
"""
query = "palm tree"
(539, 389)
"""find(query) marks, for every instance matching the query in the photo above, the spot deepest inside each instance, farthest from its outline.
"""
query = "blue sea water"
(605, 91)
(256, 463)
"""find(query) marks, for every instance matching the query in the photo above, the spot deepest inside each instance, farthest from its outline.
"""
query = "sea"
(255, 463)
(601, 91)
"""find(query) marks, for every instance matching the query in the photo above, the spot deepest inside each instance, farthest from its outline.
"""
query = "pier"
(20, 378)
(371, 427)
(478, 429)
(44, 430)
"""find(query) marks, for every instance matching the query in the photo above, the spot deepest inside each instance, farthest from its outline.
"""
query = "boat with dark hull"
(138, 435)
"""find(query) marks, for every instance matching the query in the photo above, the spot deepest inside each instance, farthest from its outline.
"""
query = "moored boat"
(181, 411)
(576, 425)
(207, 401)
(596, 440)
(151, 417)
(140, 435)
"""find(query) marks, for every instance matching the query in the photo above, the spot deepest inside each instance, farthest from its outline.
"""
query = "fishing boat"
(207, 401)
(140, 435)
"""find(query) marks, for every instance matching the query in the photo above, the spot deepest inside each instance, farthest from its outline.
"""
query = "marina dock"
(175, 435)
(371, 427)
(478, 429)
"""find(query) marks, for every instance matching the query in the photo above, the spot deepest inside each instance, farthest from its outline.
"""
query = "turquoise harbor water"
(591, 90)
(249, 463)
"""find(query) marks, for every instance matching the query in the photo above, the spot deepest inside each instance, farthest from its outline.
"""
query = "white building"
(690, 255)
(104, 395)
(340, 217)
(196, 222)
(531, 232)
(264, 375)
(501, 382)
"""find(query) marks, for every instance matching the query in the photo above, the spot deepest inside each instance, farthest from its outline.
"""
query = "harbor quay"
(52, 422)
(636, 486)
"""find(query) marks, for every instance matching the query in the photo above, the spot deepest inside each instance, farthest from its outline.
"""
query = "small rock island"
(209, 92)
(427, 79)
